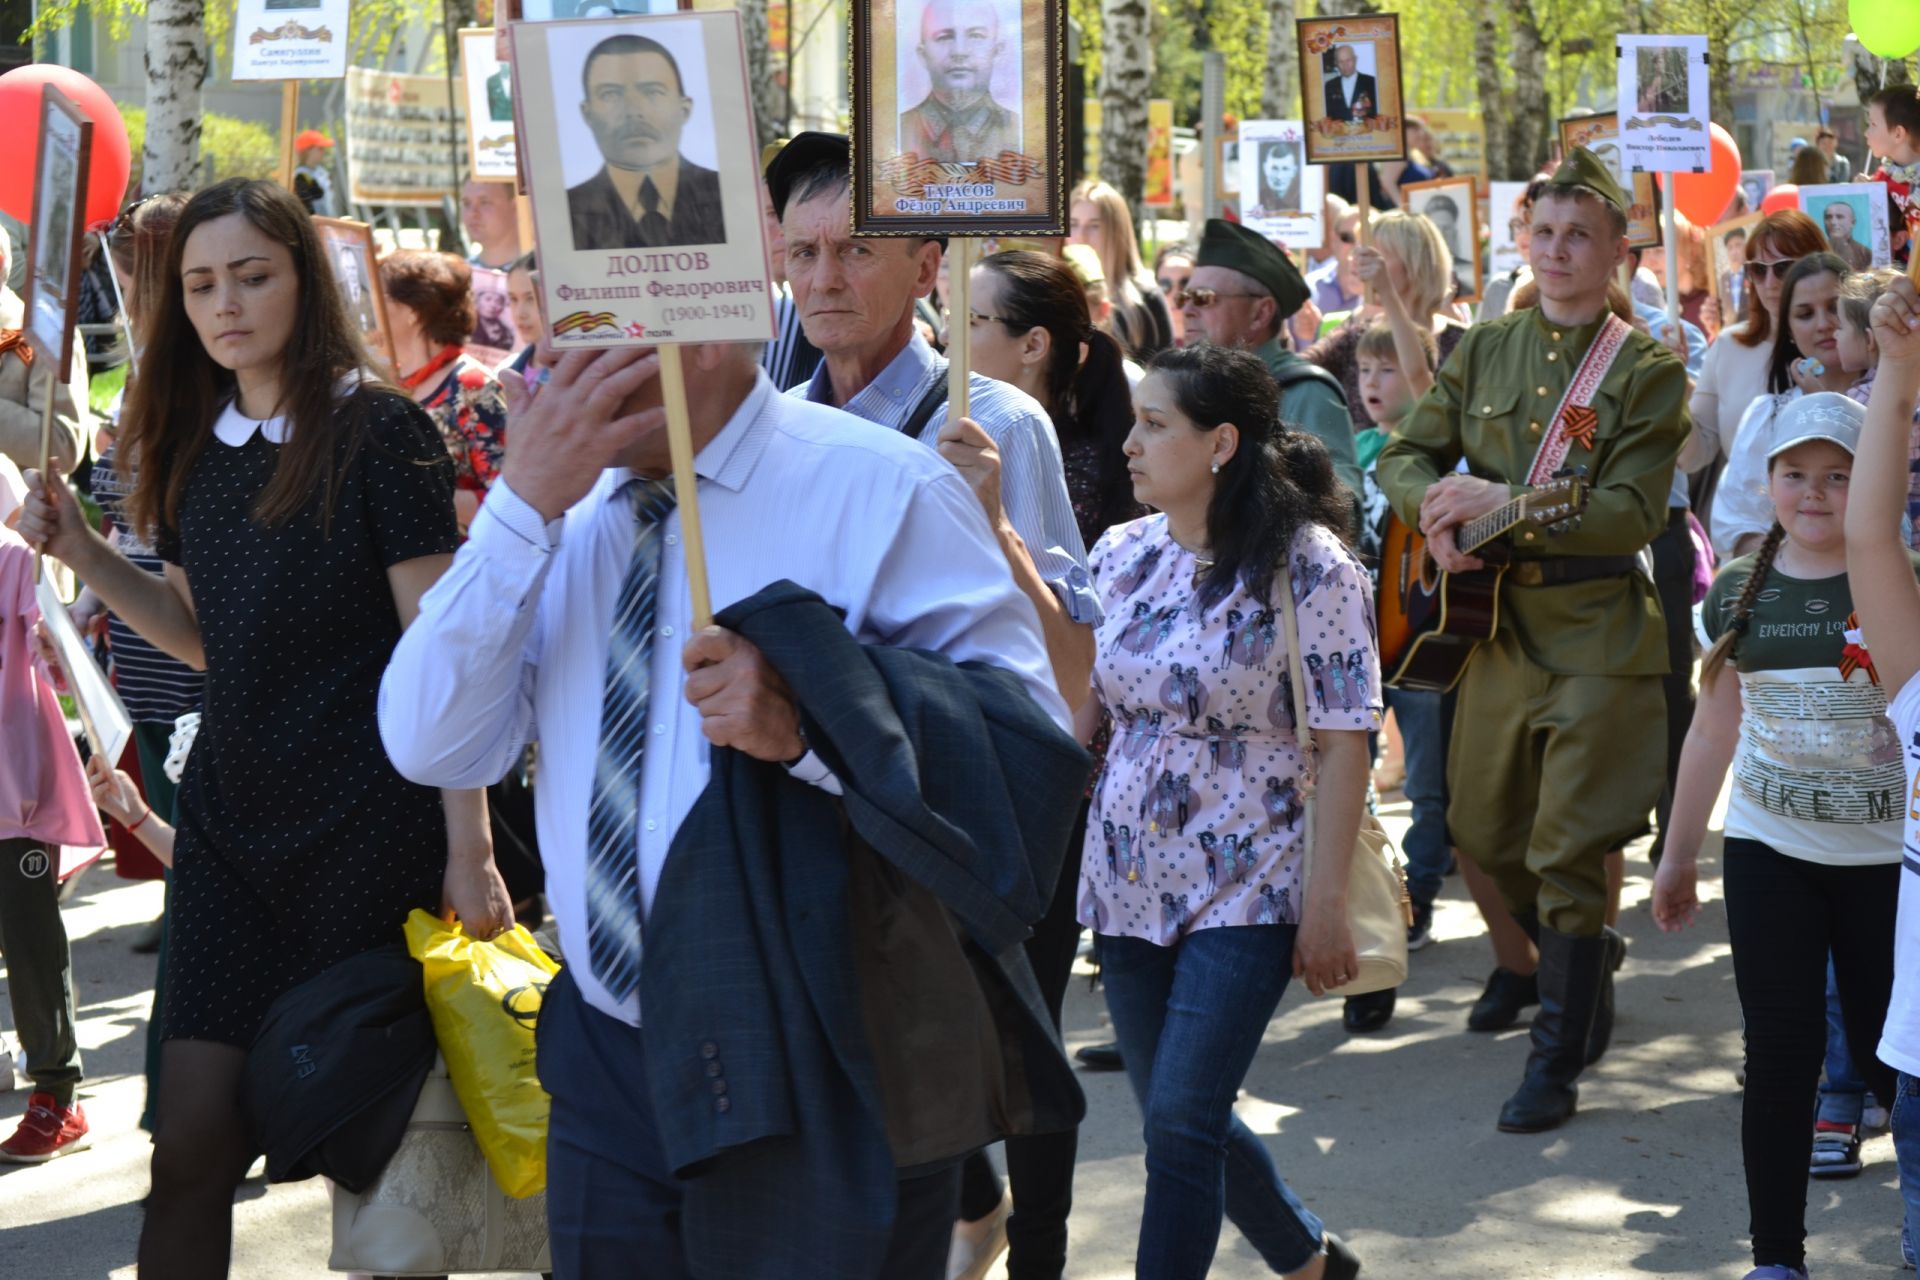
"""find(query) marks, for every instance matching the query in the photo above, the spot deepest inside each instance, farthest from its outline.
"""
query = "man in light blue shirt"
(856, 301)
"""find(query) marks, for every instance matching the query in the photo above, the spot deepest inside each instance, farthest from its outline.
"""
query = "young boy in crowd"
(1893, 134)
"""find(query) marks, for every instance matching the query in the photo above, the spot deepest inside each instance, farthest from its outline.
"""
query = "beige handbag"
(1379, 911)
(435, 1209)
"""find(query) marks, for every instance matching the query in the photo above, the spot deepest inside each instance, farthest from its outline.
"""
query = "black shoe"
(1603, 1015)
(1342, 1262)
(1570, 978)
(1500, 1005)
(1100, 1057)
(1369, 1012)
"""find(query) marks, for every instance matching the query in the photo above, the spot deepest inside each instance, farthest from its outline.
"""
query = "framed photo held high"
(1504, 226)
(350, 252)
(643, 171)
(1727, 258)
(1662, 80)
(959, 117)
(55, 235)
(290, 39)
(1350, 88)
(1600, 134)
(1281, 195)
(487, 97)
(1451, 206)
(1854, 217)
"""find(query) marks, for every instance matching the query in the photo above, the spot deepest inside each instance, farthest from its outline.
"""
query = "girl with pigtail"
(1812, 858)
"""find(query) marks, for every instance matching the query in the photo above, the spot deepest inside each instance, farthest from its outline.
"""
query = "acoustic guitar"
(1431, 621)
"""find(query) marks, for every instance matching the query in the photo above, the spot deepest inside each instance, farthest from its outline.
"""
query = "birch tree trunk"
(176, 73)
(1126, 70)
(769, 93)
(1493, 104)
(1527, 143)
(1280, 95)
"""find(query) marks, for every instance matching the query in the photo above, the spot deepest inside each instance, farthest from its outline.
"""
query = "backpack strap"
(931, 403)
(1307, 371)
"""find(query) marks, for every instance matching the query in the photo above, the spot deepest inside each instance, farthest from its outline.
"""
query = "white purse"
(435, 1209)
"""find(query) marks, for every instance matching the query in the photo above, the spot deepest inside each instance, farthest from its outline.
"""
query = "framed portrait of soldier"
(486, 83)
(1281, 195)
(1600, 134)
(55, 234)
(1727, 256)
(959, 117)
(643, 171)
(1662, 82)
(1451, 206)
(350, 252)
(1853, 215)
(1350, 88)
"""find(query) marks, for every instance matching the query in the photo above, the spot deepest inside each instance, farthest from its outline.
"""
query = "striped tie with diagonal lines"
(613, 859)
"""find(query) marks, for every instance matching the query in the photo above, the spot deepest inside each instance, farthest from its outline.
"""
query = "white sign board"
(1281, 196)
(102, 714)
(290, 39)
(1663, 104)
(1853, 216)
(488, 89)
(1503, 216)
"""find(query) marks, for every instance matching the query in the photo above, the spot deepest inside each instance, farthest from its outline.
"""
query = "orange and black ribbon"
(15, 340)
(1581, 421)
(1855, 656)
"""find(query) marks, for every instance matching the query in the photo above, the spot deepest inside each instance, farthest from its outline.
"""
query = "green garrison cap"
(1228, 244)
(1582, 168)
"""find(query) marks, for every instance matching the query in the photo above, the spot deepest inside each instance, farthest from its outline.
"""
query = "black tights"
(1783, 916)
(200, 1154)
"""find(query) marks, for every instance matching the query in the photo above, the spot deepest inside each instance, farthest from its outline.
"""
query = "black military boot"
(1571, 974)
(1603, 1015)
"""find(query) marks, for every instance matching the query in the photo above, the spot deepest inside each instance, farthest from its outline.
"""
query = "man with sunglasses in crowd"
(1242, 293)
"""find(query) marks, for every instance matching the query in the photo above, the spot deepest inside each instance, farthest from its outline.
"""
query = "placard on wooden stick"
(351, 254)
(1281, 196)
(1452, 206)
(57, 230)
(1350, 89)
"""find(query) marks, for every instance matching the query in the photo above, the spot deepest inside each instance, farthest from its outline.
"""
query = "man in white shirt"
(513, 645)
(1350, 92)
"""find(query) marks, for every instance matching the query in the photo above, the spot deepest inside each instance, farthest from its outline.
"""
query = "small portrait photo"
(487, 98)
(1756, 183)
(1281, 168)
(1507, 229)
(1662, 74)
(1228, 168)
(350, 252)
(1281, 196)
(1853, 216)
(1350, 88)
(1449, 204)
(1727, 251)
(493, 338)
(53, 249)
(636, 135)
(1349, 82)
(959, 80)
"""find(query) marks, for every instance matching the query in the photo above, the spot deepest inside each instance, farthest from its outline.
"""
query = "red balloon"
(1702, 198)
(19, 145)
(1784, 196)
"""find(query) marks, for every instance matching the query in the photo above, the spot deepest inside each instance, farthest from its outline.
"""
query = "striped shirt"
(155, 687)
(789, 358)
(1033, 485)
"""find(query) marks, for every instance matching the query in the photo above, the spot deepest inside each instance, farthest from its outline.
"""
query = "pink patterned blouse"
(1196, 819)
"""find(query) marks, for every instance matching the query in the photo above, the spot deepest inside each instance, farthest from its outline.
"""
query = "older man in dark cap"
(1242, 292)
(1559, 737)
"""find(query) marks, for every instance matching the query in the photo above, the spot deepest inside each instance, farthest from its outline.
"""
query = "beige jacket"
(23, 398)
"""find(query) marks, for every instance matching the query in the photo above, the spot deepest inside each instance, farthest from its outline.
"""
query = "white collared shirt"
(1347, 85)
(511, 645)
(234, 428)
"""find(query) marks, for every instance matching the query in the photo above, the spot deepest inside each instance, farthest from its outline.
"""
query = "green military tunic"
(1317, 408)
(1559, 739)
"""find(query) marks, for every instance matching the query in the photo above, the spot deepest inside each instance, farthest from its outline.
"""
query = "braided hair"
(1729, 642)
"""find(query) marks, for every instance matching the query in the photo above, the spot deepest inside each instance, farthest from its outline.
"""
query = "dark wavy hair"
(178, 391)
(1278, 481)
(1088, 399)
(1785, 349)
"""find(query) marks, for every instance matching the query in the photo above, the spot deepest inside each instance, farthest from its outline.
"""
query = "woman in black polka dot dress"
(302, 510)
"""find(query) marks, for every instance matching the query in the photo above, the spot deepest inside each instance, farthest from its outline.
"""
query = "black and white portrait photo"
(1280, 174)
(1449, 204)
(1663, 79)
(959, 81)
(59, 195)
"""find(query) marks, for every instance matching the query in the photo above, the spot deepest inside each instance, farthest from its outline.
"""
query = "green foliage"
(234, 148)
(1185, 30)
(372, 31)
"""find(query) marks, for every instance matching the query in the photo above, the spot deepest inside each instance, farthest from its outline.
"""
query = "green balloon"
(1887, 28)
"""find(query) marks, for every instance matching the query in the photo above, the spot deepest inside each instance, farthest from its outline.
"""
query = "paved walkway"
(1389, 1137)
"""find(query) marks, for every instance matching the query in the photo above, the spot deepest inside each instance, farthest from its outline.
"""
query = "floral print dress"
(1197, 819)
(471, 412)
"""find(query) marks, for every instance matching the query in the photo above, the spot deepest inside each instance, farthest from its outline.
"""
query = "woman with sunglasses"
(1172, 268)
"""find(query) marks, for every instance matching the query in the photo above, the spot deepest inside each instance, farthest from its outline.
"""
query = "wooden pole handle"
(673, 393)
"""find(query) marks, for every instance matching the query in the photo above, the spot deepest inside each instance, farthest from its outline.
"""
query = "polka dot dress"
(298, 843)
(1197, 820)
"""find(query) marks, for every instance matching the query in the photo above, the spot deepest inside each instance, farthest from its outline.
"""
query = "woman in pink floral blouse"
(1195, 848)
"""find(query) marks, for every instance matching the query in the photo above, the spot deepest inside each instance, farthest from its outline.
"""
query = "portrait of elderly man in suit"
(958, 122)
(1351, 94)
(647, 194)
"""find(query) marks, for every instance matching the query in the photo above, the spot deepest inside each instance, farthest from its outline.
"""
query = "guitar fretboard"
(1478, 533)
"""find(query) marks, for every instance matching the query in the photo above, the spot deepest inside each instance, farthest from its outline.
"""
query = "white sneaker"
(12, 1066)
(978, 1245)
(1874, 1117)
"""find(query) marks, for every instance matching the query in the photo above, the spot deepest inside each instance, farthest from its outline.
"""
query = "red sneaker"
(47, 1130)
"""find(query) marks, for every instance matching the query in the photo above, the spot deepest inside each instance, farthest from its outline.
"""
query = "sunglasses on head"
(1758, 270)
(1202, 298)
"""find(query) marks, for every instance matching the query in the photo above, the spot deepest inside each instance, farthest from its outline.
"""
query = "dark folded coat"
(834, 991)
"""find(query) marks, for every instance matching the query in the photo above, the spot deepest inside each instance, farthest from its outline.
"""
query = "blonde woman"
(1411, 271)
(1097, 216)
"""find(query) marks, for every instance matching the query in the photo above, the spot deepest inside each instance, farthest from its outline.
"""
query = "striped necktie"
(613, 859)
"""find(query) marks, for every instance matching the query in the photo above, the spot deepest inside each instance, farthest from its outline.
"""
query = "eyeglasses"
(1201, 299)
(1758, 270)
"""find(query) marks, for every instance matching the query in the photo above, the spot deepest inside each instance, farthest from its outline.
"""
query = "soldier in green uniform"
(1559, 740)
(1242, 292)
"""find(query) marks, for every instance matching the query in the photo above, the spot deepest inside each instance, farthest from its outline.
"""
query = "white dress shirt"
(511, 645)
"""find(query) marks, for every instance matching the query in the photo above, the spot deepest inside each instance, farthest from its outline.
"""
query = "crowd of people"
(418, 633)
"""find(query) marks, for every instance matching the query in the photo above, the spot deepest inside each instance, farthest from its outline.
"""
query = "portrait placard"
(1854, 217)
(1281, 195)
(54, 236)
(1756, 183)
(350, 252)
(1159, 188)
(402, 135)
(290, 39)
(1350, 88)
(1503, 226)
(1451, 206)
(1600, 134)
(959, 117)
(487, 96)
(1226, 169)
(643, 170)
(559, 10)
(1663, 79)
(1727, 252)
(103, 716)
(1459, 136)
(492, 340)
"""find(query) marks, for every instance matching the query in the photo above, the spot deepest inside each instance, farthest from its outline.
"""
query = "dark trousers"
(1673, 553)
(1040, 1166)
(613, 1205)
(1783, 916)
(39, 966)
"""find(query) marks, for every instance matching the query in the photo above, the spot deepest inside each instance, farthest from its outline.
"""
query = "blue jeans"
(1423, 733)
(1906, 1149)
(1843, 1094)
(1189, 1019)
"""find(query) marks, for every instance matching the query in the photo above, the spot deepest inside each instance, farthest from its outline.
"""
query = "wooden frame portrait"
(1351, 116)
(624, 261)
(1281, 195)
(486, 84)
(1853, 217)
(356, 269)
(1226, 169)
(1600, 134)
(920, 171)
(1726, 260)
(58, 227)
(1453, 206)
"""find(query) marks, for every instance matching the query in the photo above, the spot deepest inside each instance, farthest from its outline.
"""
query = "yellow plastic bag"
(484, 998)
